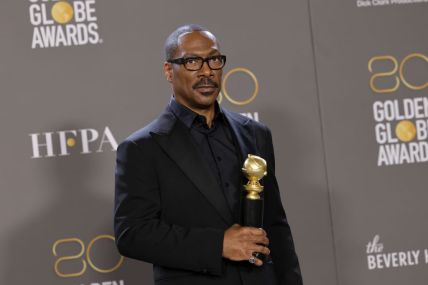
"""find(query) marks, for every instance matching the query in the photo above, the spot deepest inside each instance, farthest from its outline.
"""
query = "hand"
(240, 243)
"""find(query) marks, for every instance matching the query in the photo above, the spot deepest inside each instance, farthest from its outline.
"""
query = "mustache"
(205, 82)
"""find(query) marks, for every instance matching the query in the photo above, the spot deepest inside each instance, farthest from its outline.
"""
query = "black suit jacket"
(170, 210)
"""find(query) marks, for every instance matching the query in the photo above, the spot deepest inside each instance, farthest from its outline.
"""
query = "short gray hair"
(171, 43)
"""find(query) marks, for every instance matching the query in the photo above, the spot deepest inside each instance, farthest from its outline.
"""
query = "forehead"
(198, 43)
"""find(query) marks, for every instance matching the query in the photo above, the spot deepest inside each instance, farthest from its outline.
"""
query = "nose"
(206, 70)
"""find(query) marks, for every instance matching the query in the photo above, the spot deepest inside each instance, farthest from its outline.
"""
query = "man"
(178, 182)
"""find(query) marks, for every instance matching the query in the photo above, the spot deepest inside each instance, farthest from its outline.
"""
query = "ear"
(167, 71)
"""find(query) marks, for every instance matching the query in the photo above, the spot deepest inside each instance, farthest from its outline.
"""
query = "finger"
(259, 240)
(261, 249)
(254, 260)
(258, 262)
(263, 231)
(256, 231)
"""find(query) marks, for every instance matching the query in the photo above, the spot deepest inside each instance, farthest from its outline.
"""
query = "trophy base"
(253, 213)
(253, 217)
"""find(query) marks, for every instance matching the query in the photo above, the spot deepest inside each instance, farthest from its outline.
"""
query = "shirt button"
(226, 184)
(204, 271)
(218, 158)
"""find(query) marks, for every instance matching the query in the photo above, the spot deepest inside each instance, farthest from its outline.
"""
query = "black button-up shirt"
(218, 149)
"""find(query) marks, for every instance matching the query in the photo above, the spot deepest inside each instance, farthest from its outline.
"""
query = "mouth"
(206, 87)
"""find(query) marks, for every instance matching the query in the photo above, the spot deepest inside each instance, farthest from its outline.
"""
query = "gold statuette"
(254, 169)
(252, 205)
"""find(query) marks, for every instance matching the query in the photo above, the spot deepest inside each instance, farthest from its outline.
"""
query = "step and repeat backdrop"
(342, 84)
(371, 61)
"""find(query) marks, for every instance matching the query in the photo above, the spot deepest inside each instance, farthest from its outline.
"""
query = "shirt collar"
(188, 117)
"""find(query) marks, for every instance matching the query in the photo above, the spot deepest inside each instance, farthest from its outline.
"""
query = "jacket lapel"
(175, 140)
(244, 134)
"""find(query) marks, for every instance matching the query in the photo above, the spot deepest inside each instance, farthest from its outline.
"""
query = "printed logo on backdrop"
(380, 258)
(238, 76)
(66, 142)
(74, 258)
(376, 3)
(63, 23)
(401, 121)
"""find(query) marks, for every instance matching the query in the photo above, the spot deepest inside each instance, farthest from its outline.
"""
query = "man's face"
(199, 89)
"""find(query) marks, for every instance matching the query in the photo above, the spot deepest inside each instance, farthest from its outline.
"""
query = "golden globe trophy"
(254, 169)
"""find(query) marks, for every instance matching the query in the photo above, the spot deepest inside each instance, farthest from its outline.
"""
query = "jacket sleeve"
(283, 253)
(139, 230)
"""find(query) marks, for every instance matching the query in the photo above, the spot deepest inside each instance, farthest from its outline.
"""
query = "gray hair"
(171, 43)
